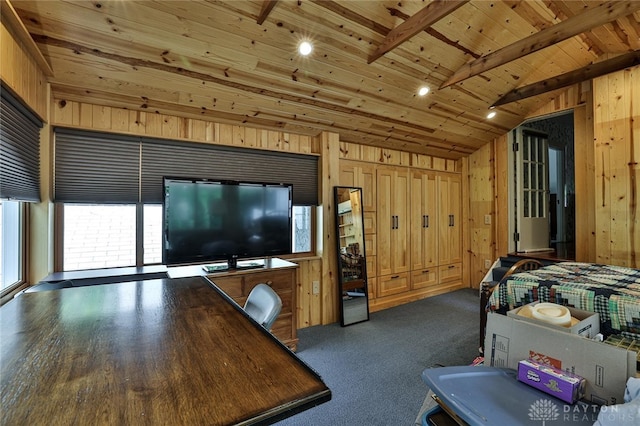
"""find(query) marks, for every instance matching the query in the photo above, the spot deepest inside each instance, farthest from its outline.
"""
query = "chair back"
(263, 305)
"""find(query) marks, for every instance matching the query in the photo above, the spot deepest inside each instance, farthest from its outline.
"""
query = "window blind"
(93, 167)
(180, 159)
(107, 168)
(19, 150)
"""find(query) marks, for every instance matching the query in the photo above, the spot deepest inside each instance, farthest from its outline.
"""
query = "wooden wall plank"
(585, 183)
(99, 117)
(634, 169)
(170, 127)
(501, 196)
(119, 120)
(330, 177)
(481, 190)
(618, 111)
(615, 127)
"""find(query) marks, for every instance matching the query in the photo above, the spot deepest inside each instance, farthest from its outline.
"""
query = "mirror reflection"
(354, 304)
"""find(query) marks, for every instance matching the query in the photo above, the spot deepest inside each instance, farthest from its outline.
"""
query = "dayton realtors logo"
(545, 410)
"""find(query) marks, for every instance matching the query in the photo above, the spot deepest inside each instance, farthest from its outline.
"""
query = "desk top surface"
(166, 351)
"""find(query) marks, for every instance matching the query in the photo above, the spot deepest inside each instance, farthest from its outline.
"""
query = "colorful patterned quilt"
(611, 291)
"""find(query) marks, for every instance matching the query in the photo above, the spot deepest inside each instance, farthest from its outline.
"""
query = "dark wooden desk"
(166, 351)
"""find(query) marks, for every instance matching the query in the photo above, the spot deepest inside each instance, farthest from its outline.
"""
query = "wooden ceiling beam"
(430, 14)
(592, 18)
(267, 6)
(578, 76)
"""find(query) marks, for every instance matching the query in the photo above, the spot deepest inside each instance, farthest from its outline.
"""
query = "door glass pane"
(541, 204)
(525, 204)
(541, 149)
(534, 199)
(525, 149)
(525, 175)
(541, 177)
(534, 176)
(533, 149)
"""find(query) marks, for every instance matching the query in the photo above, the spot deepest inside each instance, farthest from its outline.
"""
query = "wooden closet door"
(393, 220)
(450, 247)
(385, 220)
(361, 175)
(424, 220)
(400, 236)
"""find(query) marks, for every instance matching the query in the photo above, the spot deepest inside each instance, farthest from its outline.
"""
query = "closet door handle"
(393, 222)
(451, 220)
(426, 222)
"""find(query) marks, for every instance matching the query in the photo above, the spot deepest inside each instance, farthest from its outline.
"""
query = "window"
(99, 236)
(107, 187)
(104, 235)
(152, 238)
(12, 235)
(19, 183)
(302, 229)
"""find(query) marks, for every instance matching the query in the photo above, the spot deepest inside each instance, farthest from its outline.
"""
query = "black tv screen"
(206, 220)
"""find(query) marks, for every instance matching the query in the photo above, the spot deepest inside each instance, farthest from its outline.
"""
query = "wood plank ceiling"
(236, 61)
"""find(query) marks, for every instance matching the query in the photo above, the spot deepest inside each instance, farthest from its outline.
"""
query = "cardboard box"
(588, 325)
(605, 368)
(565, 386)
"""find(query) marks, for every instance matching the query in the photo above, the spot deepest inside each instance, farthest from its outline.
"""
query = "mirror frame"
(362, 262)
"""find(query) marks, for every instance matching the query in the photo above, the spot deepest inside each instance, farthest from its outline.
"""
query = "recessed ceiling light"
(423, 91)
(491, 115)
(305, 48)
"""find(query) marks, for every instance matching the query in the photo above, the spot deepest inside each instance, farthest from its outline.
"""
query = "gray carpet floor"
(373, 368)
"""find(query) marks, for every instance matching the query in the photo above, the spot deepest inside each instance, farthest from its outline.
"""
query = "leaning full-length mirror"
(352, 279)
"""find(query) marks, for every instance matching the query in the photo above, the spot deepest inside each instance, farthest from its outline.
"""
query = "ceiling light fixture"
(423, 91)
(305, 48)
(491, 115)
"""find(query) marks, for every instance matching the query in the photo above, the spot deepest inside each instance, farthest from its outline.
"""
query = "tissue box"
(561, 384)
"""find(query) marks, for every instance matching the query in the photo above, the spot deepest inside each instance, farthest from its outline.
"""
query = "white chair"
(263, 305)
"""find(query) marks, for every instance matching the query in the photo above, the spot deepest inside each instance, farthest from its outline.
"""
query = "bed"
(611, 291)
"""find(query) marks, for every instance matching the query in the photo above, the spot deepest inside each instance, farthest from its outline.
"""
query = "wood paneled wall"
(121, 120)
(370, 154)
(19, 69)
(584, 168)
(617, 167)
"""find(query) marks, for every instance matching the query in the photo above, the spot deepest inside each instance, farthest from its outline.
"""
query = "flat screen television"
(208, 220)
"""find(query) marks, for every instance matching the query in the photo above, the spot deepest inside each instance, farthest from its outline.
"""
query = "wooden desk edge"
(291, 408)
